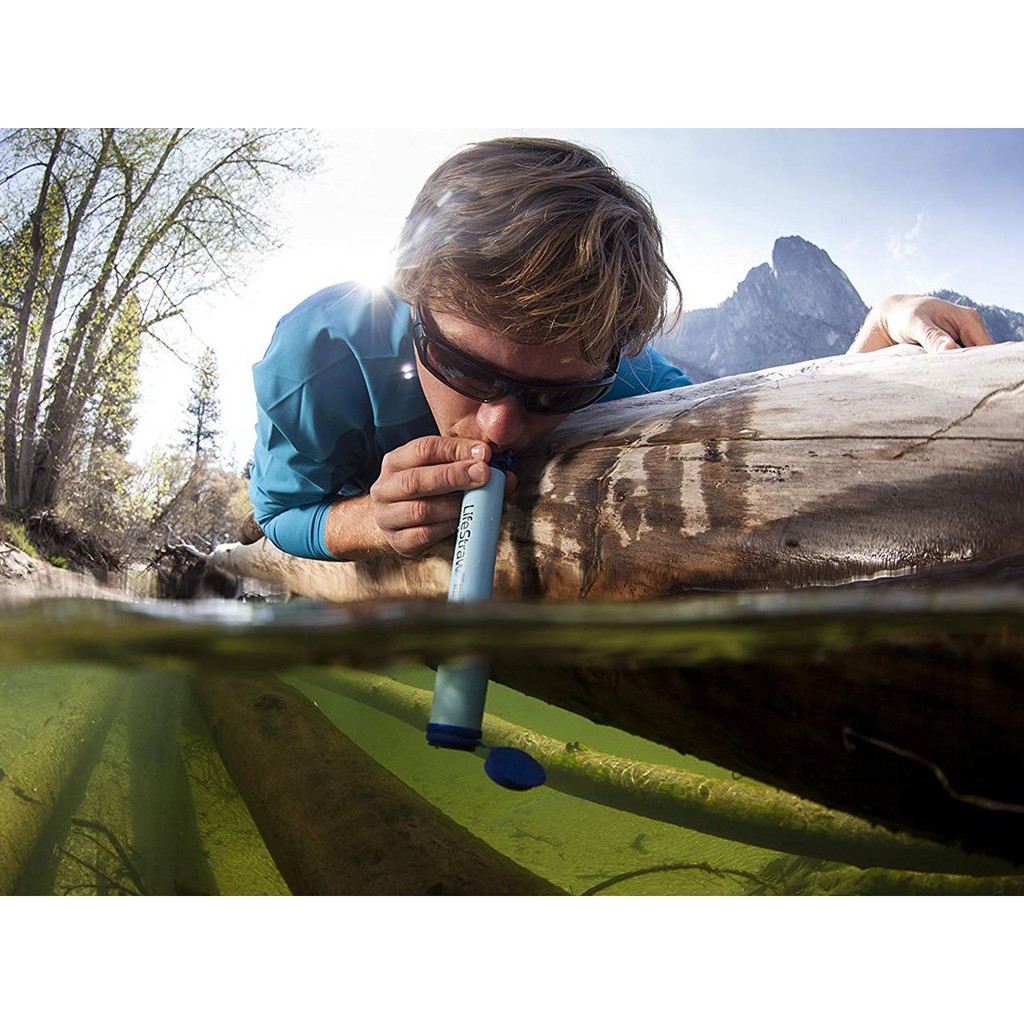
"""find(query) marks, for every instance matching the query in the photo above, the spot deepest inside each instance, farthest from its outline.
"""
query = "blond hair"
(541, 241)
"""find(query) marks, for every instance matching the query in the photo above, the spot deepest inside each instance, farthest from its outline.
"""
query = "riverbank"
(23, 577)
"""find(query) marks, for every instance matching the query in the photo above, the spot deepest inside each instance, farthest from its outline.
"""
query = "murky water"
(113, 783)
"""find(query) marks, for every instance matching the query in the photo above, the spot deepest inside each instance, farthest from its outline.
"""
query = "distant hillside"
(800, 306)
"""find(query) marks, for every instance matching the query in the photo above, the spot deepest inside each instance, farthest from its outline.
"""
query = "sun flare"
(375, 271)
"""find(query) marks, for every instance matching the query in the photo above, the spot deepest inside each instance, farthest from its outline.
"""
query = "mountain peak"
(800, 306)
(812, 285)
(793, 250)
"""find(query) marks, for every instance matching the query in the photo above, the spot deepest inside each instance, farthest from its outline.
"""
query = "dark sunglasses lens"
(552, 401)
(469, 378)
(459, 373)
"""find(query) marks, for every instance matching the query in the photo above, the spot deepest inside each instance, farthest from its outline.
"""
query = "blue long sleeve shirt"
(337, 390)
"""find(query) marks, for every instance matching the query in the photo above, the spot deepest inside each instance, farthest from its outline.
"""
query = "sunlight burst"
(376, 271)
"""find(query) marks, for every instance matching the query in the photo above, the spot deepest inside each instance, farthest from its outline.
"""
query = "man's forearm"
(352, 533)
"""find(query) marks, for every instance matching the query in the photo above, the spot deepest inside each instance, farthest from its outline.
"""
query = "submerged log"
(826, 472)
(336, 822)
(807, 876)
(32, 784)
(729, 809)
(919, 732)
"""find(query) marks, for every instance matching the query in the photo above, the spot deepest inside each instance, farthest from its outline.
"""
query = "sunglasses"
(483, 383)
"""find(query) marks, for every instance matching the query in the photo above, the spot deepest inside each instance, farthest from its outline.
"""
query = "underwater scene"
(232, 748)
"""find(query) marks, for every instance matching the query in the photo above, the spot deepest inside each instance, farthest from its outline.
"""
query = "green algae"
(153, 809)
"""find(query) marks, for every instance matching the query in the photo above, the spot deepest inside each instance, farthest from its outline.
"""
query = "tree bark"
(30, 416)
(871, 466)
(335, 822)
(51, 448)
(20, 348)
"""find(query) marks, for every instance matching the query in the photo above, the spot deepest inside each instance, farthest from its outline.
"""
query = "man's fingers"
(404, 515)
(933, 335)
(962, 329)
(934, 324)
(972, 329)
(418, 495)
(436, 451)
(428, 481)
(418, 539)
(935, 340)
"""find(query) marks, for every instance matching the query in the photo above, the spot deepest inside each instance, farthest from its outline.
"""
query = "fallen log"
(896, 465)
(33, 783)
(165, 832)
(729, 809)
(336, 822)
(877, 882)
(822, 473)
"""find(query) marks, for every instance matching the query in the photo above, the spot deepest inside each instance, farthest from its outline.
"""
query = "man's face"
(502, 423)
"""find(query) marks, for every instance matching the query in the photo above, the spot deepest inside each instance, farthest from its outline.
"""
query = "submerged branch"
(703, 866)
(119, 852)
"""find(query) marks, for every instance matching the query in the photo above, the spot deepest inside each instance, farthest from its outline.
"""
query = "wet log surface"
(732, 809)
(822, 473)
(921, 733)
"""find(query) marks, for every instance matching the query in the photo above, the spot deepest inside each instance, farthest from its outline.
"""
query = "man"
(529, 279)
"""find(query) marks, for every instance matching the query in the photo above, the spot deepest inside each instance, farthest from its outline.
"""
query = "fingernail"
(477, 451)
(477, 471)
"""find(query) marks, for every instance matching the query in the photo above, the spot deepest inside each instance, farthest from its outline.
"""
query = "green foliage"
(171, 497)
(15, 534)
(101, 500)
(16, 265)
(201, 502)
(112, 410)
(105, 235)
(59, 561)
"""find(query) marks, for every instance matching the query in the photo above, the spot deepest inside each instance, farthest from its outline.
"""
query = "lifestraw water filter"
(460, 689)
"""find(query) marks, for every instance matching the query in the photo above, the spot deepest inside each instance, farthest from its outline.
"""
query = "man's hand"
(417, 497)
(935, 325)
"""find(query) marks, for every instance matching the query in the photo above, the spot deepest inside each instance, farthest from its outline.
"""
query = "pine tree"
(203, 410)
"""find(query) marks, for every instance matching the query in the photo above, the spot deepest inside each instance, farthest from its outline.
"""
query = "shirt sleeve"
(643, 374)
(314, 426)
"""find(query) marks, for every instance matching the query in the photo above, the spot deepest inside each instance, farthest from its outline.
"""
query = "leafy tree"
(203, 410)
(105, 234)
(111, 411)
(171, 497)
(189, 499)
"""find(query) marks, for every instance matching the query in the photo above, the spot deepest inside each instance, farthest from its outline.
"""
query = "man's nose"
(502, 421)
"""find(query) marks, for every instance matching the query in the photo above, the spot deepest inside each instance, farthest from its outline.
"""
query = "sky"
(897, 210)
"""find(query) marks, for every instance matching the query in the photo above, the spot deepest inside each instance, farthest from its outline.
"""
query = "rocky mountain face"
(800, 306)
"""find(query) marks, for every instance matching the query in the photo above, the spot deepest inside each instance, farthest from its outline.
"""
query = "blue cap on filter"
(513, 769)
(454, 737)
